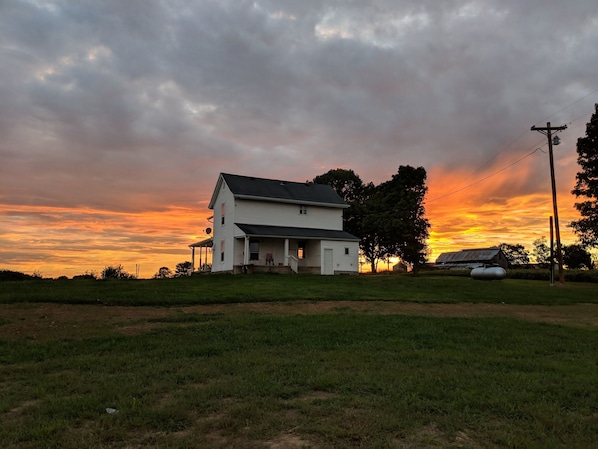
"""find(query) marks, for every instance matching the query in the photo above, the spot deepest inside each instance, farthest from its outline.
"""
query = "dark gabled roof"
(296, 233)
(249, 187)
(469, 255)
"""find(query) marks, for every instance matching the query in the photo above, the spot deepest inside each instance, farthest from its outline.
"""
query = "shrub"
(116, 272)
(86, 275)
(8, 275)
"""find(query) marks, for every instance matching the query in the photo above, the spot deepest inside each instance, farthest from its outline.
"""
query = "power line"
(504, 148)
(571, 104)
(498, 153)
(485, 177)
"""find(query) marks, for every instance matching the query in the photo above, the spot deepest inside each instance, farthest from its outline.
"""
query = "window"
(221, 250)
(222, 213)
(302, 210)
(254, 249)
(346, 251)
(301, 250)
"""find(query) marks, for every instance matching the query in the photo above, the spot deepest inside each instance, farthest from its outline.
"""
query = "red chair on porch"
(269, 259)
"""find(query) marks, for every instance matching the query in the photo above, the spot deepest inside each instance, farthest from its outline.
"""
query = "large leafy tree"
(586, 188)
(575, 256)
(183, 269)
(388, 218)
(163, 273)
(402, 218)
(516, 254)
(353, 191)
(541, 251)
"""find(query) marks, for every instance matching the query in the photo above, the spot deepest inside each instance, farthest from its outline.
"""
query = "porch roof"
(207, 243)
(252, 230)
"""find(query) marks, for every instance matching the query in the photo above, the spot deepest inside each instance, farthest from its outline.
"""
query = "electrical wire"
(485, 177)
(504, 148)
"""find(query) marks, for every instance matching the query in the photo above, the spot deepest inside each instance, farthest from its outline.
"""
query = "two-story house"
(272, 225)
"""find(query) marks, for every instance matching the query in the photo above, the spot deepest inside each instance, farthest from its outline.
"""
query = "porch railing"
(294, 264)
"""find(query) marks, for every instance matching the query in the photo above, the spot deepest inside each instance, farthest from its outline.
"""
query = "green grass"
(335, 380)
(329, 381)
(264, 288)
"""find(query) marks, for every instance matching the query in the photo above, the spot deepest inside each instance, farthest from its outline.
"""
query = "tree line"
(575, 256)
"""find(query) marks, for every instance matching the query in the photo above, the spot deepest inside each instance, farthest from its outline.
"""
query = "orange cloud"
(512, 206)
(63, 241)
(505, 207)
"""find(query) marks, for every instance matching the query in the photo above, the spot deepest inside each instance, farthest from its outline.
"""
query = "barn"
(467, 259)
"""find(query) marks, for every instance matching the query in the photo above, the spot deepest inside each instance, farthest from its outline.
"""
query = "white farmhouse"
(279, 226)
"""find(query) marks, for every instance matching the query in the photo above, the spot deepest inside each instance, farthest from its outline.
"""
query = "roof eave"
(290, 201)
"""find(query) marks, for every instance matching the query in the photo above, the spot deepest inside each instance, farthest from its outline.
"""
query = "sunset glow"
(62, 241)
(116, 120)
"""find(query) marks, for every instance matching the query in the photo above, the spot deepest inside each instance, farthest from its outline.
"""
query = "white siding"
(342, 262)
(281, 214)
(223, 232)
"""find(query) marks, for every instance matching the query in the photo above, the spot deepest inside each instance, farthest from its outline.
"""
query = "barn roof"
(249, 187)
(468, 255)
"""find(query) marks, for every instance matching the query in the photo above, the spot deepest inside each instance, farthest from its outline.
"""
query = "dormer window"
(302, 210)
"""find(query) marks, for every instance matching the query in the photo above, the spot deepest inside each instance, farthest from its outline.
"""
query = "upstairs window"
(302, 210)
(221, 250)
(222, 213)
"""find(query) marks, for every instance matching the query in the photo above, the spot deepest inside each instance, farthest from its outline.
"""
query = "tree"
(541, 251)
(183, 269)
(389, 218)
(402, 218)
(586, 228)
(163, 273)
(575, 257)
(353, 191)
(116, 272)
(515, 254)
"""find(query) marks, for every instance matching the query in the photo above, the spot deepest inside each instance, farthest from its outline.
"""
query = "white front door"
(328, 267)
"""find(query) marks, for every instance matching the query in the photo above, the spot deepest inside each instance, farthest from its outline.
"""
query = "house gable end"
(217, 189)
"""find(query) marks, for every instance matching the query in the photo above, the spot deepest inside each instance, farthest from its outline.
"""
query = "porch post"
(286, 252)
(246, 252)
(193, 258)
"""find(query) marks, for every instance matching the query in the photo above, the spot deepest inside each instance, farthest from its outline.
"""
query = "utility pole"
(547, 131)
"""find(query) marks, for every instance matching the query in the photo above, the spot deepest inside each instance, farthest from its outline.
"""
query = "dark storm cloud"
(136, 104)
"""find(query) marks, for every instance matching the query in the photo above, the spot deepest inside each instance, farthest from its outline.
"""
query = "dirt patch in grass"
(431, 437)
(67, 321)
(288, 441)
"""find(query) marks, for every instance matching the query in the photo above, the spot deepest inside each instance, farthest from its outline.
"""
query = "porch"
(271, 255)
(204, 264)
(279, 249)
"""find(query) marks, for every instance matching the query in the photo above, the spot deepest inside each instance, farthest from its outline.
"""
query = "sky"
(116, 117)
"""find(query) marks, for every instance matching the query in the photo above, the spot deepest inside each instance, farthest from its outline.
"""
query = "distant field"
(294, 362)
(218, 289)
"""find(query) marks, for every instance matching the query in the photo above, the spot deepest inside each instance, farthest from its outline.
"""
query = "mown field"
(294, 361)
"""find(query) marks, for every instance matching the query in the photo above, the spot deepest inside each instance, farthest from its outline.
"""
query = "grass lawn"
(221, 289)
(187, 376)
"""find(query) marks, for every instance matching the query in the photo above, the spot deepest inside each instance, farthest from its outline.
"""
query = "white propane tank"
(488, 273)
